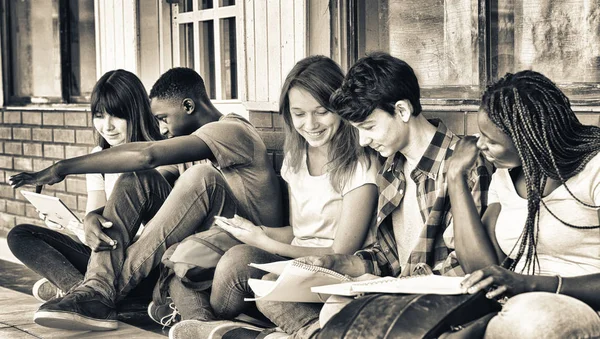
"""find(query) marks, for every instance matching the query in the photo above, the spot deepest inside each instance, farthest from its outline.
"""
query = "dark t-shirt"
(241, 156)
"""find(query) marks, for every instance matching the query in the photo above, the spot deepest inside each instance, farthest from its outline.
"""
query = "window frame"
(347, 24)
(195, 17)
(65, 62)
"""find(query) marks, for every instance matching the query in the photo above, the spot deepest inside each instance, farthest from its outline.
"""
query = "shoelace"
(170, 319)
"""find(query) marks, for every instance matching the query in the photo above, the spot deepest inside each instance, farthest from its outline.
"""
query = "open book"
(294, 282)
(421, 284)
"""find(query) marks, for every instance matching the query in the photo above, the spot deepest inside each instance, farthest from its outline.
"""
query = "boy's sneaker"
(165, 315)
(83, 309)
(43, 290)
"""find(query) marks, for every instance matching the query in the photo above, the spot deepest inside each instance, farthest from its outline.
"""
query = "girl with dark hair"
(537, 247)
(332, 194)
(120, 111)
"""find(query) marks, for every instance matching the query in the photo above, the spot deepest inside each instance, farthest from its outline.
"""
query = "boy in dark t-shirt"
(240, 181)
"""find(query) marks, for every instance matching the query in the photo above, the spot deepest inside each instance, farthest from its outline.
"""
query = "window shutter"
(275, 38)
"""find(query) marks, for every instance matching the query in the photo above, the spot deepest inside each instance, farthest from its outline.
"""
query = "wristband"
(559, 287)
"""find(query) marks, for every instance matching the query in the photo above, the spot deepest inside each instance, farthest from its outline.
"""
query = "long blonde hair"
(320, 76)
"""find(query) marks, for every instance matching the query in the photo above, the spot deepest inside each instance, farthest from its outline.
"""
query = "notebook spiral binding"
(313, 268)
(384, 280)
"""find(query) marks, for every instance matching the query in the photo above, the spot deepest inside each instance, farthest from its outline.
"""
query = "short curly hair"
(180, 83)
(378, 80)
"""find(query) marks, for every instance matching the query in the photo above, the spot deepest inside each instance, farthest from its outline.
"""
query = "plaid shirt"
(434, 247)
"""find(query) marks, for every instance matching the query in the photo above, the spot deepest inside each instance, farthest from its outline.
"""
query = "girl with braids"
(538, 242)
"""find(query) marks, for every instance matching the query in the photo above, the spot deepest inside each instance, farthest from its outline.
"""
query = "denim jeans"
(190, 303)
(299, 320)
(230, 283)
(198, 195)
(544, 315)
(59, 258)
(230, 287)
(51, 254)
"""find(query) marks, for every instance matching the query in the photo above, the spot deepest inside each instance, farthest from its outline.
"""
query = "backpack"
(406, 315)
(193, 261)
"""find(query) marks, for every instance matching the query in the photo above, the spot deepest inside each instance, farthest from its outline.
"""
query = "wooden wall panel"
(116, 31)
(275, 39)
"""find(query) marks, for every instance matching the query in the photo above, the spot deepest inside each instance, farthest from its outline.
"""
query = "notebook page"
(294, 283)
(424, 284)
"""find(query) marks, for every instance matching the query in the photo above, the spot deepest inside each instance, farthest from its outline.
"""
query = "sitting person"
(380, 97)
(537, 244)
(332, 196)
(244, 183)
(120, 113)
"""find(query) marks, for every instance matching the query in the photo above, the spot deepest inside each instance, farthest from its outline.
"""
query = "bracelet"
(559, 287)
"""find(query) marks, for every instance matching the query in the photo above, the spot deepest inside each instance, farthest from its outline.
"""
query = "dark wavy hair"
(549, 138)
(179, 83)
(121, 94)
(378, 80)
(320, 76)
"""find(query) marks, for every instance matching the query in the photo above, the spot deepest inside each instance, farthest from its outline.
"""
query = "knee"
(237, 258)
(19, 232)
(547, 315)
(201, 174)
(134, 178)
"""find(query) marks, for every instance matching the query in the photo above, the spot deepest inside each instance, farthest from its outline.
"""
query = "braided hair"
(550, 140)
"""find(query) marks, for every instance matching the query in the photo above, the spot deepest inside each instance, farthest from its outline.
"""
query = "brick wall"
(270, 128)
(32, 140)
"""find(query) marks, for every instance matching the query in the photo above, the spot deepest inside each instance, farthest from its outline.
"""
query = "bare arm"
(474, 246)
(128, 157)
(473, 242)
(280, 234)
(357, 211)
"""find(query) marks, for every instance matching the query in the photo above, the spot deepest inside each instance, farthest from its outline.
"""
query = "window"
(205, 38)
(456, 47)
(51, 55)
(154, 52)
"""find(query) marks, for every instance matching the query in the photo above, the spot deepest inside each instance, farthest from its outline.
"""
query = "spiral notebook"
(422, 284)
(294, 282)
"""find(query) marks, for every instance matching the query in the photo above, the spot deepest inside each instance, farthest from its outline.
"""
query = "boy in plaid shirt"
(380, 96)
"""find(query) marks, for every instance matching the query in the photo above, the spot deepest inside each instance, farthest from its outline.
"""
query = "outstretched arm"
(129, 157)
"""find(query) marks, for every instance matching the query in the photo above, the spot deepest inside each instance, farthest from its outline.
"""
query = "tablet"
(54, 209)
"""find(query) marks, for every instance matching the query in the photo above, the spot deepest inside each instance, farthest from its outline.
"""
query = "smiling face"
(382, 132)
(111, 128)
(311, 120)
(497, 147)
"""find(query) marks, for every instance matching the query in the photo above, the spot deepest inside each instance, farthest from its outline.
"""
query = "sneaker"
(83, 309)
(165, 315)
(222, 329)
(43, 290)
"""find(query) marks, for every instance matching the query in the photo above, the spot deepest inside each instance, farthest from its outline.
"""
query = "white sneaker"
(43, 290)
